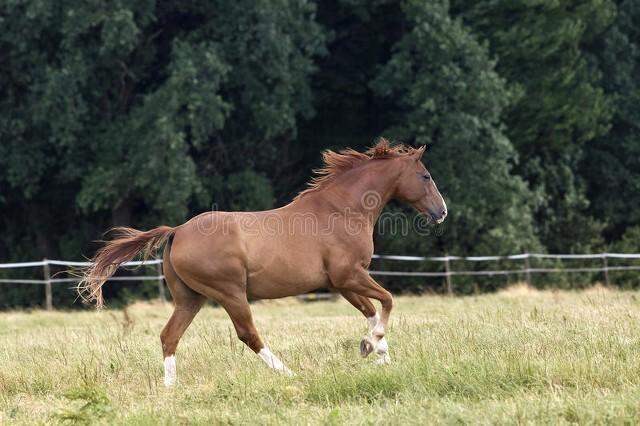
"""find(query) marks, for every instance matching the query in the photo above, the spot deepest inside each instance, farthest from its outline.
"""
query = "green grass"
(518, 356)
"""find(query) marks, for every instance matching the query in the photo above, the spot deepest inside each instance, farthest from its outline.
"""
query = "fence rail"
(48, 280)
(527, 270)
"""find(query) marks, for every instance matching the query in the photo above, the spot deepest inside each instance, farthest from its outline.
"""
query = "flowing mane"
(336, 163)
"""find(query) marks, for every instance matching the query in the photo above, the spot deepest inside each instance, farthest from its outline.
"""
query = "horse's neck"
(362, 192)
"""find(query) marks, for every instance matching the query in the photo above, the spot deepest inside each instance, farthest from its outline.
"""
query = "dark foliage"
(146, 113)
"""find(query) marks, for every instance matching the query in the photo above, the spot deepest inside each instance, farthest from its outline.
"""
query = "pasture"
(519, 356)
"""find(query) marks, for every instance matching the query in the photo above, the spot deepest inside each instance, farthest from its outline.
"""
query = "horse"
(322, 239)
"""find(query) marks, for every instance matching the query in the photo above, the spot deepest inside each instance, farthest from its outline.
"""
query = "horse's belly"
(277, 290)
(281, 277)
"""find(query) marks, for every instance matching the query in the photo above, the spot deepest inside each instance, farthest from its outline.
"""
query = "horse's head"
(416, 187)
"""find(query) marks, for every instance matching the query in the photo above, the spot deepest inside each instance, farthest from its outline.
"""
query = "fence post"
(447, 270)
(161, 294)
(527, 269)
(48, 294)
(605, 269)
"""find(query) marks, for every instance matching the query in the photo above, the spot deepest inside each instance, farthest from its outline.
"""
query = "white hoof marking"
(373, 321)
(170, 371)
(274, 362)
(382, 347)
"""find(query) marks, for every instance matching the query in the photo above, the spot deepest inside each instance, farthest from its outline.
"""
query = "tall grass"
(519, 356)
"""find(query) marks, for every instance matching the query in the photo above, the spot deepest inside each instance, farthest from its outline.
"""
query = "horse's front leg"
(359, 281)
(365, 306)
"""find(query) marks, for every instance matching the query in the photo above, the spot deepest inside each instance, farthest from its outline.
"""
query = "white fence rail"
(527, 270)
(48, 280)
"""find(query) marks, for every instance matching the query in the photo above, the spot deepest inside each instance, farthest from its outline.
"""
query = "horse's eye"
(426, 177)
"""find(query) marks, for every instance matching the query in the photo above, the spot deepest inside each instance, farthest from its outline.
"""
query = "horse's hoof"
(366, 347)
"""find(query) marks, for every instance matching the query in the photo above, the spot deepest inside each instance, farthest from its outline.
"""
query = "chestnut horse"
(322, 239)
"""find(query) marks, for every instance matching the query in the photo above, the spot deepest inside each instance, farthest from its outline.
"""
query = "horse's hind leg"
(187, 303)
(240, 313)
(365, 306)
(229, 290)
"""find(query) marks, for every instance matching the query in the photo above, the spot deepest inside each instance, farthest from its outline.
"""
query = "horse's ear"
(420, 152)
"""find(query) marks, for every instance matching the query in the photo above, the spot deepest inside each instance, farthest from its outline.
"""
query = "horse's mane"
(336, 163)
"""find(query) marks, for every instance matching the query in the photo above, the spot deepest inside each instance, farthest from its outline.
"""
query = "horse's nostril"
(444, 213)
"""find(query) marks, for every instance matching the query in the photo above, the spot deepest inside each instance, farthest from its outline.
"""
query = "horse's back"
(257, 248)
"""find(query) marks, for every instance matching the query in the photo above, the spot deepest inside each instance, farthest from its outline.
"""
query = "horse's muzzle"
(439, 218)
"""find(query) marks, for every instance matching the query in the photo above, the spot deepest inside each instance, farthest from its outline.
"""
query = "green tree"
(612, 163)
(127, 110)
(628, 243)
(558, 103)
(141, 113)
(446, 94)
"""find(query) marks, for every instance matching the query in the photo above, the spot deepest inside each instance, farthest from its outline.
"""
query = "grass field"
(519, 356)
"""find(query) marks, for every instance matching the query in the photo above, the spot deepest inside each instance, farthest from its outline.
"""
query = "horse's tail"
(128, 244)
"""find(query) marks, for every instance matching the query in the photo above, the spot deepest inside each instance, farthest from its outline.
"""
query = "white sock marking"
(170, 370)
(373, 321)
(273, 361)
(382, 348)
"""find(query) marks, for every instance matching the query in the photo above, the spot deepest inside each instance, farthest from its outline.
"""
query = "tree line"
(148, 112)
